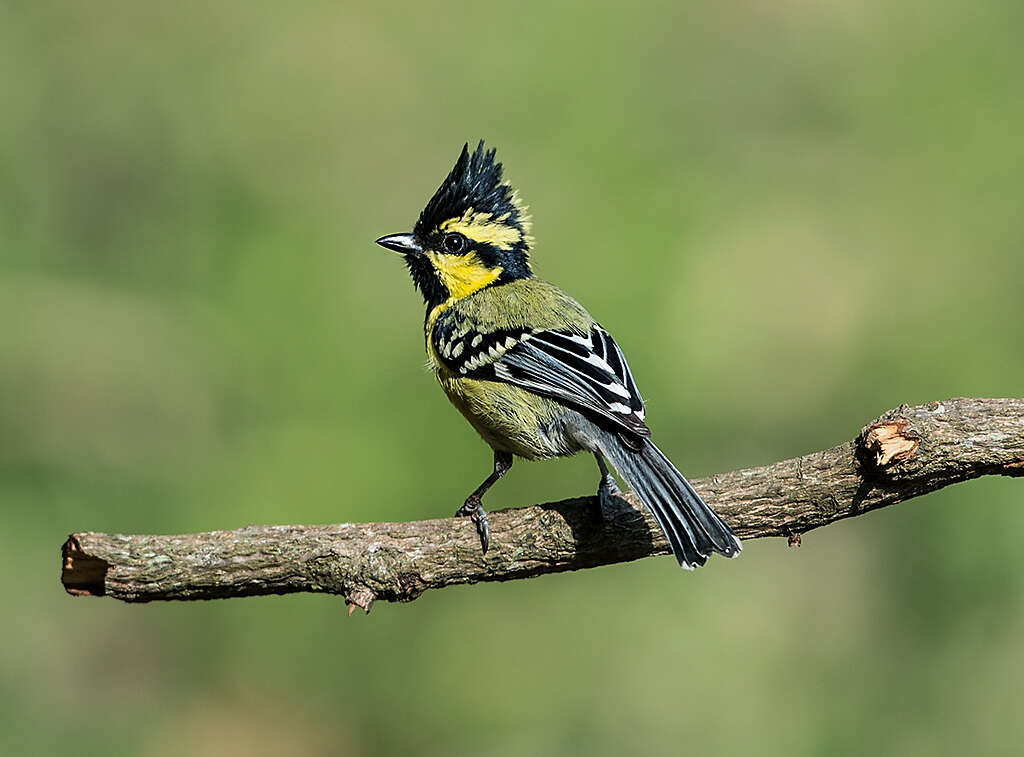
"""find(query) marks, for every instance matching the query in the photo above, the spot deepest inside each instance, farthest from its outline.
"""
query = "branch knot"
(889, 442)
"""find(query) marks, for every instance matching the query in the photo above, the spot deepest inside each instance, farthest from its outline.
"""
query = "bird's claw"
(605, 490)
(474, 509)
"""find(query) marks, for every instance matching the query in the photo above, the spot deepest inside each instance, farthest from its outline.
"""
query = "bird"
(534, 374)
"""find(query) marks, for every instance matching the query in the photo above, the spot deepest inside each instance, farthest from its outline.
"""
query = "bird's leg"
(473, 507)
(605, 489)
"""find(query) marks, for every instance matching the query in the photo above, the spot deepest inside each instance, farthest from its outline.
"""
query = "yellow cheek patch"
(463, 274)
(485, 228)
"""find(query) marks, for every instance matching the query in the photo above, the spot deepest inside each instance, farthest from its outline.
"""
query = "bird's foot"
(474, 509)
(605, 490)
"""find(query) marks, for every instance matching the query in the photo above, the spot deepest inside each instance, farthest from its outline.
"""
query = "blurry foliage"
(793, 216)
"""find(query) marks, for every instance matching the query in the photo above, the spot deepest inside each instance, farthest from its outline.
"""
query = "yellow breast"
(507, 417)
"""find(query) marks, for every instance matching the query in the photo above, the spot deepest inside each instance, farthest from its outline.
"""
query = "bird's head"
(473, 233)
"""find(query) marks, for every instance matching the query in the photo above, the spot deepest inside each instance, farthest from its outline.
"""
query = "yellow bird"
(528, 367)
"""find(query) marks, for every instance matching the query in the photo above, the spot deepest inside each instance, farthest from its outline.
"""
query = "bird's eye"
(454, 242)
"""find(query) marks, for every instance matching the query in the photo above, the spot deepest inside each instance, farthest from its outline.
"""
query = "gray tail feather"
(692, 528)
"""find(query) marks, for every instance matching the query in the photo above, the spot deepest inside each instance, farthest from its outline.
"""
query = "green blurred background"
(792, 215)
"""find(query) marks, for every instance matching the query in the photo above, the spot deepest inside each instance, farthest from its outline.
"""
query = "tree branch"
(907, 452)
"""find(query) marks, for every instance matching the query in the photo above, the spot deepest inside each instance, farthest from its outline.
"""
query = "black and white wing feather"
(587, 372)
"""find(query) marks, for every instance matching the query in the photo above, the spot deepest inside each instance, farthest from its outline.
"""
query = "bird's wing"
(587, 372)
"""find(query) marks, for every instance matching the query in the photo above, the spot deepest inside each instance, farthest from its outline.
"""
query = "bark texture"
(907, 452)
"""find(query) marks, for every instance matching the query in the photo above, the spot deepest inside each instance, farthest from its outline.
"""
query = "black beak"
(403, 243)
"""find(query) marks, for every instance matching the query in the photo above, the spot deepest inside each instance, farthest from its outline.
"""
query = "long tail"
(692, 528)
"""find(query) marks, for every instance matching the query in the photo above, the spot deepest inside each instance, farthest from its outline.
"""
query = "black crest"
(475, 182)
